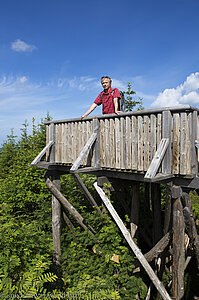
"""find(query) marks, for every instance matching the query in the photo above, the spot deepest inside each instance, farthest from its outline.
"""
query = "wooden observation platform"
(148, 146)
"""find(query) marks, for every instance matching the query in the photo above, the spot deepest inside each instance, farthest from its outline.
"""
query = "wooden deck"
(150, 142)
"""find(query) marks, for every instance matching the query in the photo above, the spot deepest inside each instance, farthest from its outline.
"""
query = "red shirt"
(106, 99)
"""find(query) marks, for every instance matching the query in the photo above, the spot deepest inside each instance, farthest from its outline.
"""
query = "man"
(108, 98)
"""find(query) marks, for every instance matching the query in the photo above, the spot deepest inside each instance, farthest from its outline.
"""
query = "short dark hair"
(106, 77)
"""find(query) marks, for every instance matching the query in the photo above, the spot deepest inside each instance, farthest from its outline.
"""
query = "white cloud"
(186, 93)
(21, 46)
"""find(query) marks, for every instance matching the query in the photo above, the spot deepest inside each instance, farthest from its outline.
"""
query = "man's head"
(106, 82)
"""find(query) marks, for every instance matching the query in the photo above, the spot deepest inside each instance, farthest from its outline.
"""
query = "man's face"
(106, 83)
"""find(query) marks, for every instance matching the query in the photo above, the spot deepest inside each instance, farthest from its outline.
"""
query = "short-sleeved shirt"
(106, 99)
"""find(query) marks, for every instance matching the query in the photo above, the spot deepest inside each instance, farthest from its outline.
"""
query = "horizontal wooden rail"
(130, 141)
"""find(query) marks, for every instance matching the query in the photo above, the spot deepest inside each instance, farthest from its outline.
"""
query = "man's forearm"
(91, 108)
(115, 100)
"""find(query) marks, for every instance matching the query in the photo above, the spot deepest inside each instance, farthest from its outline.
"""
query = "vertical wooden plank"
(69, 143)
(122, 144)
(63, 158)
(189, 142)
(146, 143)
(117, 143)
(72, 142)
(90, 154)
(51, 157)
(166, 133)
(112, 144)
(128, 143)
(60, 143)
(152, 136)
(140, 144)
(134, 143)
(77, 139)
(56, 143)
(47, 139)
(84, 139)
(194, 161)
(97, 157)
(176, 146)
(183, 143)
(107, 144)
(102, 143)
(159, 129)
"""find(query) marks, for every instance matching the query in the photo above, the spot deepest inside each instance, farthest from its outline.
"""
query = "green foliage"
(129, 102)
(30, 284)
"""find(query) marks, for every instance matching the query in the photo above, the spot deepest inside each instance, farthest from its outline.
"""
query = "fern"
(31, 284)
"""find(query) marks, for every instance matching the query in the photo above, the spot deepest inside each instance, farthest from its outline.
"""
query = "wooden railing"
(129, 141)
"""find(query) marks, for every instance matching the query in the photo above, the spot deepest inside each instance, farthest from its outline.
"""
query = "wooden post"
(134, 218)
(56, 221)
(156, 207)
(178, 245)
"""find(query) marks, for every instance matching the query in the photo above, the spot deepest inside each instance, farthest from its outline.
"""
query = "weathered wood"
(97, 143)
(56, 221)
(134, 142)
(152, 136)
(178, 250)
(157, 159)
(192, 231)
(183, 143)
(102, 142)
(41, 154)
(133, 246)
(195, 131)
(156, 209)
(66, 204)
(167, 212)
(51, 157)
(128, 143)
(140, 166)
(123, 144)
(146, 143)
(117, 143)
(134, 217)
(189, 143)
(107, 144)
(112, 144)
(157, 249)
(176, 145)
(86, 191)
(84, 151)
(68, 222)
(166, 133)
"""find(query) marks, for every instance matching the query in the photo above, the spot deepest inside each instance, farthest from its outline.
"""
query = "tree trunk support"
(178, 245)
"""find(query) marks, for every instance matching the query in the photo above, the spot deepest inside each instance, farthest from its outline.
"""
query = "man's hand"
(118, 112)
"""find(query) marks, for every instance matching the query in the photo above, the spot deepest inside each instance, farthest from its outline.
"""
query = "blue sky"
(53, 53)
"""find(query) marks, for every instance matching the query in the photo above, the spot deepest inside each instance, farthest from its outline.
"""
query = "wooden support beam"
(133, 246)
(157, 159)
(156, 208)
(157, 249)
(134, 217)
(84, 151)
(178, 248)
(66, 204)
(86, 192)
(68, 222)
(41, 154)
(56, 221)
